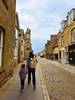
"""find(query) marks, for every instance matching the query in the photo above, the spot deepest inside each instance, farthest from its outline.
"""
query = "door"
(72, 58)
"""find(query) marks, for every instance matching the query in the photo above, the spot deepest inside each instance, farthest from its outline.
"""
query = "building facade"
(66, 39)
(48, 50)
(15, 45)
(51, 48)
(54, 43)
(7, 32)
(27, 42)
(42, 54)
(21, 46)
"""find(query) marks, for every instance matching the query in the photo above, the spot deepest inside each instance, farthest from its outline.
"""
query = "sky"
(43, 17)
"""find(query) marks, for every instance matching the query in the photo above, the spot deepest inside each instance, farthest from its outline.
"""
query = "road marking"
(44, 88)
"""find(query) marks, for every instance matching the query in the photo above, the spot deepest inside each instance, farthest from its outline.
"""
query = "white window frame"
(1, 46)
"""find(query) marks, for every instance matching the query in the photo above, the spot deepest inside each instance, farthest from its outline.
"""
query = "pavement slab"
(11, 90)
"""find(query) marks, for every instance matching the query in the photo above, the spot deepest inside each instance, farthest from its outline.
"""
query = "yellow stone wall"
(59, 40)
(66, 35)
(48, 50)
(7, 22)
(59, 44)
(55, 50)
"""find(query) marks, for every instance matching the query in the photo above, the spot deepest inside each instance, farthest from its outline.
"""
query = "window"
(16, 33)
(5, 3)
(73, 36)
(0, 38)
(69, 18)
(73, 14)
(62, 41)
(19, 35)
(1, 46)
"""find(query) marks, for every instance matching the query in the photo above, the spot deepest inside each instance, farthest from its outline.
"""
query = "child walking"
(22, 74)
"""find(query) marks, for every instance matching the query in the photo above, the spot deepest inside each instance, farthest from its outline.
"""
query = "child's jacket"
(22, 73)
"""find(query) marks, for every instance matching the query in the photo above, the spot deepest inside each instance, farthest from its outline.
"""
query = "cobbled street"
(60, 83)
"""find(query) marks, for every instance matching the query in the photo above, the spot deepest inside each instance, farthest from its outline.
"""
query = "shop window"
(5, 3)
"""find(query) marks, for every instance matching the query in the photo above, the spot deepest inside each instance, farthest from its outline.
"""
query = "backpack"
(33, 63)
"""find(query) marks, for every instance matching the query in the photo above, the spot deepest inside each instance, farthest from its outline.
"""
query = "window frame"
(2, 45)
(72, 33)
(5, 3)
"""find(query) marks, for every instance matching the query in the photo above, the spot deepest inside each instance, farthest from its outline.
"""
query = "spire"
(28, 30)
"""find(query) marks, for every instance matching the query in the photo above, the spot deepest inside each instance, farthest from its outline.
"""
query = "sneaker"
(22, 90)
(34, 87)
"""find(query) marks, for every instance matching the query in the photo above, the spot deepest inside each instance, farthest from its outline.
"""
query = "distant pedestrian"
(22, 74)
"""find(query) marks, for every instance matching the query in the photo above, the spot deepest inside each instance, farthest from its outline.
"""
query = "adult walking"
(31, 69)
(31, 55)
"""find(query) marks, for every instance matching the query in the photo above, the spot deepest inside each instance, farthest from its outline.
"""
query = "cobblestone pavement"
(59, 82)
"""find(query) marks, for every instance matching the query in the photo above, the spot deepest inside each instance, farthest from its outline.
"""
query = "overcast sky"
(43, 17)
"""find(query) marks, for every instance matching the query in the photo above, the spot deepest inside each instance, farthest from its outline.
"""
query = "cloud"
(38, 44)
(31, 4)
(42, 17)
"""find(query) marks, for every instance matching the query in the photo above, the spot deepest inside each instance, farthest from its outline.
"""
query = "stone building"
(54, 43)
(41, 54)
(66, 39)
(17, 28)
(27, 42)
(51, 48)
(7, 32)
(21, 46)
(48, 50)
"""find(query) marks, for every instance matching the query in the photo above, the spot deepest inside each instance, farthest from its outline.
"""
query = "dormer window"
(72, 14)
(69, 18)
(63, 25)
